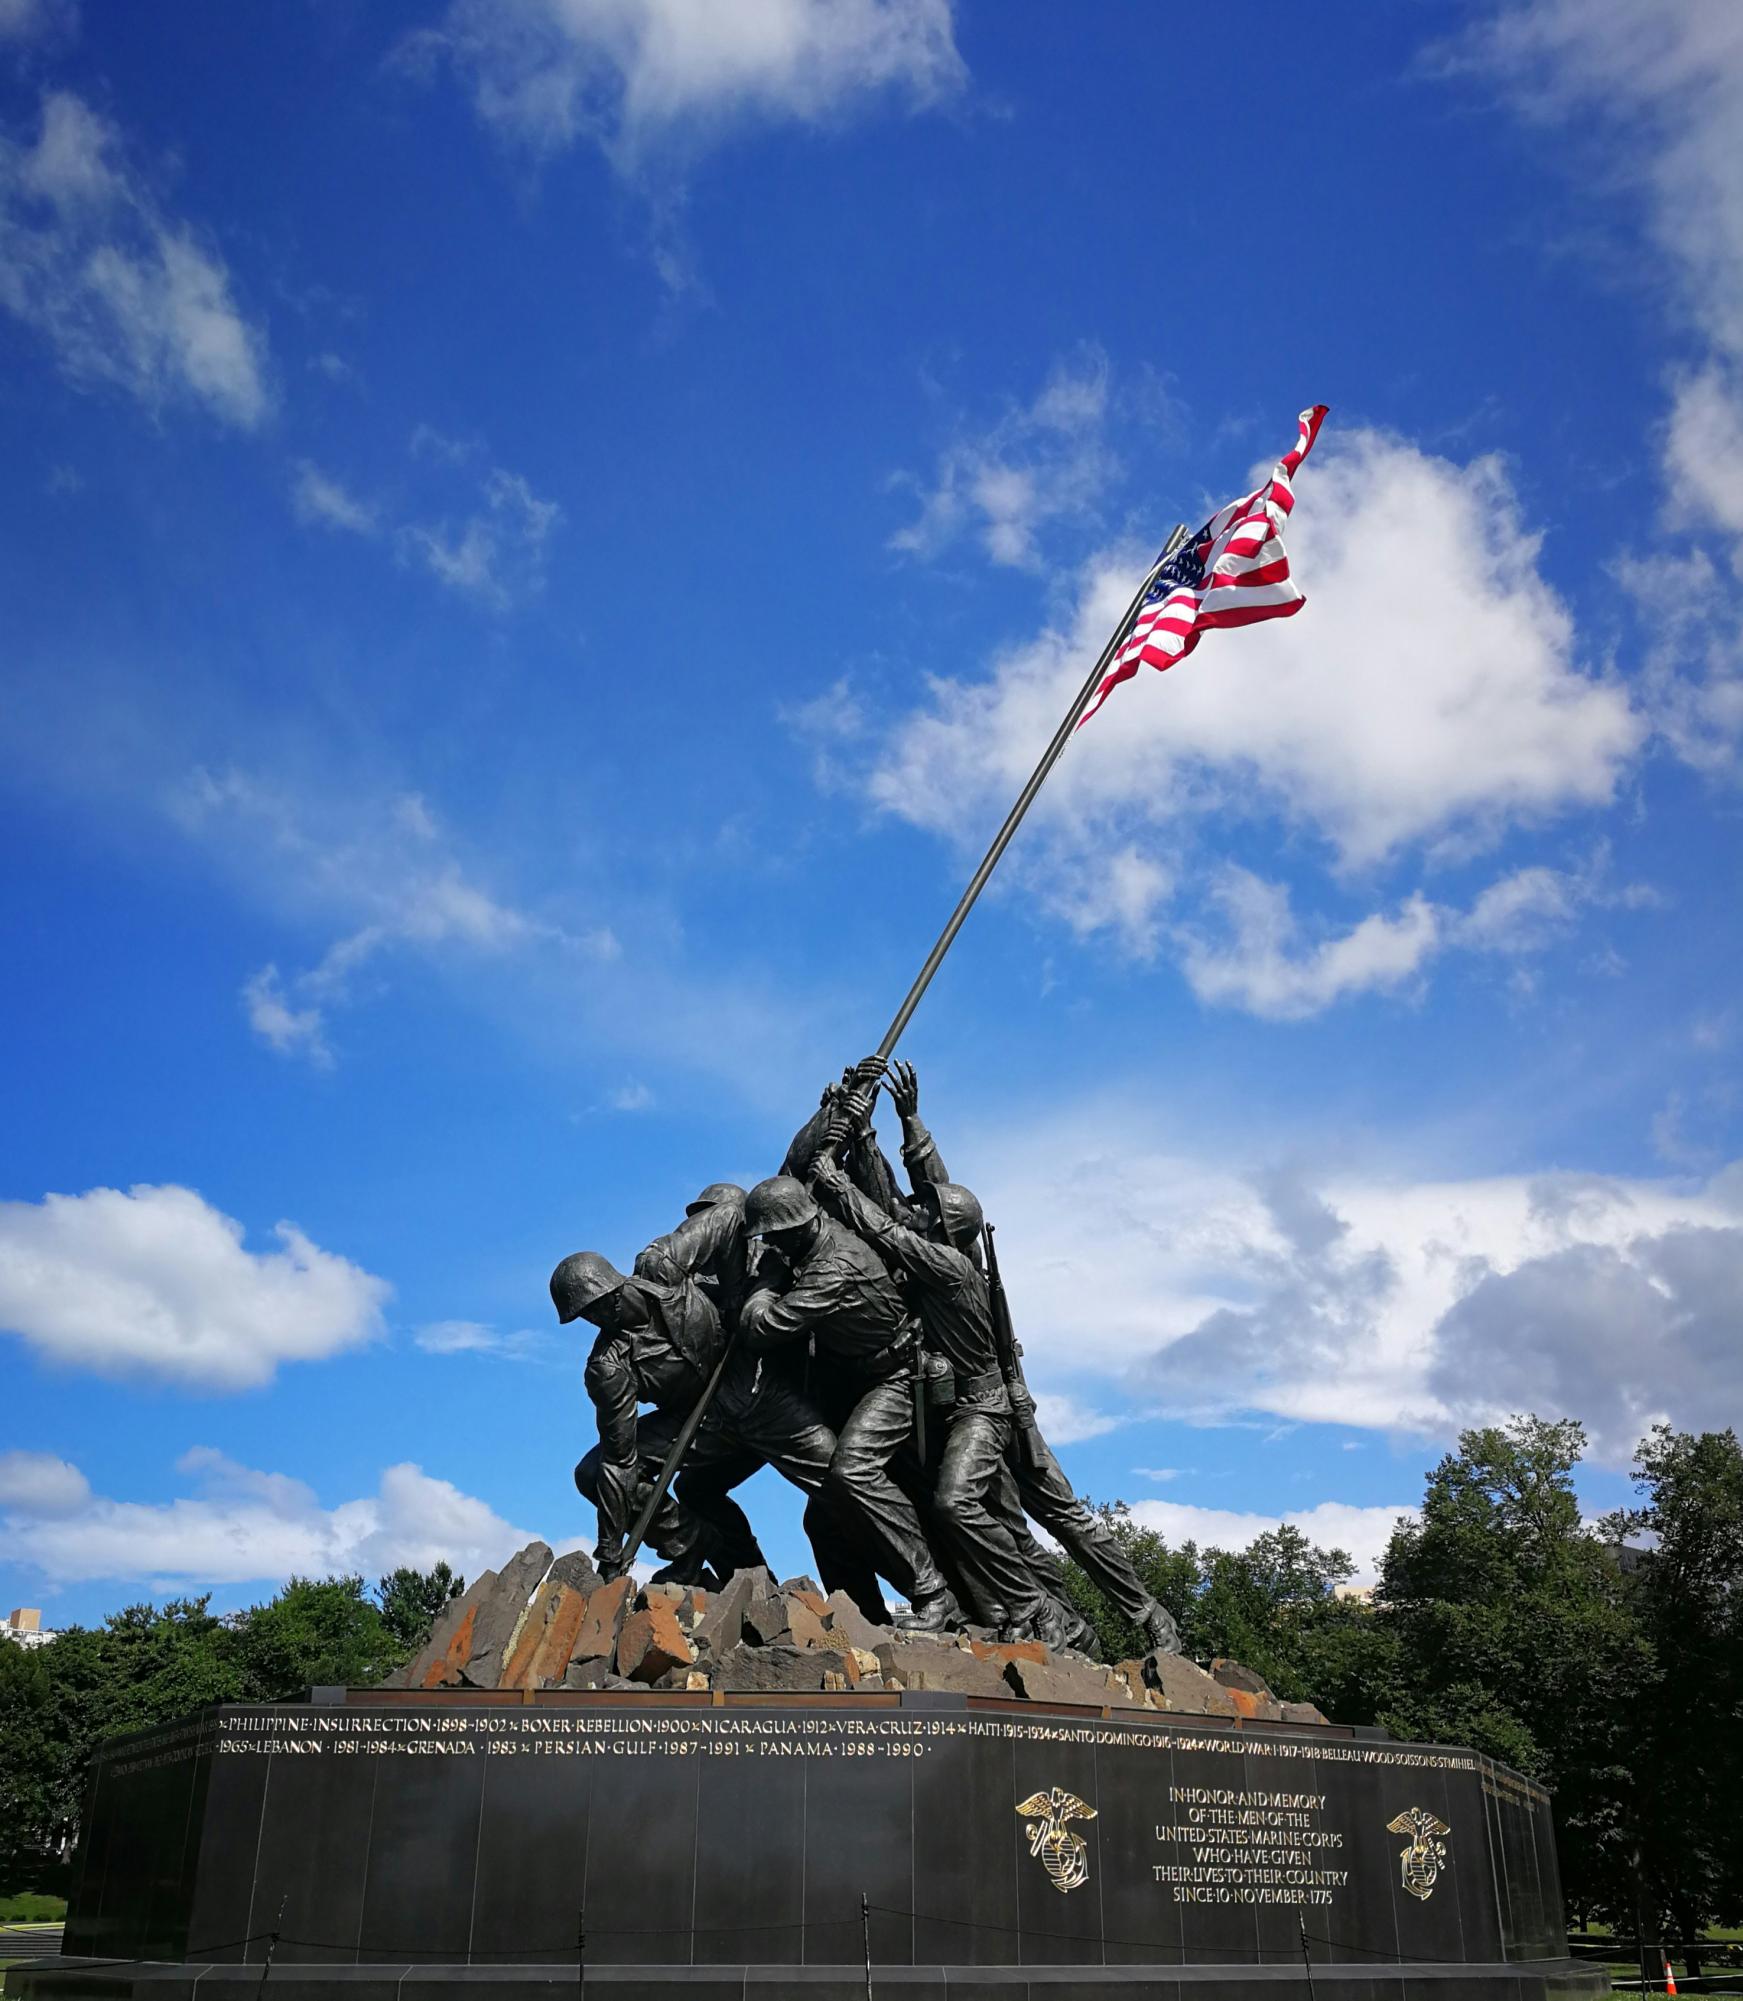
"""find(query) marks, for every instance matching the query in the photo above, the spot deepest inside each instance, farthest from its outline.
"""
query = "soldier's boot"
(700, 1553)
(1079, 1634)
(934, 1612)
(1158, 1627)
(1051, 1626)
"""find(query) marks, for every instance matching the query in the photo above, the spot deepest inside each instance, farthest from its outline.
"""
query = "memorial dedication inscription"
(1244, 1845)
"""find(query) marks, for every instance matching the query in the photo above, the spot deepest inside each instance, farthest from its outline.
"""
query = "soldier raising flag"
(889, 1294)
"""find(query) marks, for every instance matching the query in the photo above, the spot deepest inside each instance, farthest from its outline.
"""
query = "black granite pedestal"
(398, 1846)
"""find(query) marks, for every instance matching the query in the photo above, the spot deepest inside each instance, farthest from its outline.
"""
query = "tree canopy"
(147, 1664)
(1603, 1659)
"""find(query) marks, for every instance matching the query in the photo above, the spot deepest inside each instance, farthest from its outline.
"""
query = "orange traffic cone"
(1669, 1979)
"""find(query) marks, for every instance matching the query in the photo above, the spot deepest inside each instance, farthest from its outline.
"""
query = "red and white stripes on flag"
(1234, 571)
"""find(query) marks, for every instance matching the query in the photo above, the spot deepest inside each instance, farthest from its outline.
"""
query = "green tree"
(1513, 1634)
(410, 1601)
(144, 1665)
(27, 1763)
(1272, 1606)
(314, 1632)
(1686, 1591)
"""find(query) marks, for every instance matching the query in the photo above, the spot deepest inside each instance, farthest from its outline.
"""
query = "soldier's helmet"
(714, 1194)
(780, 1203)
(581, 1280)
(957, 1207)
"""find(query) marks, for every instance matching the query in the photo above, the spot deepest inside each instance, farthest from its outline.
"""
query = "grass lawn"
(29, 1907)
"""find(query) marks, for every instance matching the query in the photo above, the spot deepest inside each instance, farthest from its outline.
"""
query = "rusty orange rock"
(652, 1643)
(596, 1635)
(805, 1621)
(1008, 1650)
(517, 1668)
(1253, 1708)
(444, 1670)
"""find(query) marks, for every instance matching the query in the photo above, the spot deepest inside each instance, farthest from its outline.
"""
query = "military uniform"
(1041, 1486)
(949, 1292)
(762, 1415)
(842, 1300)
(660, 1349)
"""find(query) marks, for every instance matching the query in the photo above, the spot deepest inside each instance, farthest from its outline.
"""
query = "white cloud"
(155, 1282)
(477, 1337)
(1362, 1533)
(1038, 463)
(247, 1527)
(1703, 455)
(1352, 1299)
(1265, 960)
(497, 555)
(1516, 913)
(23, 21)
(292, 1031)
(38, 1483)
(457, 1337)
(1263, 969)
(123, 293)
(639, 76)
(332, 367)
(1427, 692)
(1067, 1420)
(1669, 74)
(390, 874)
(1657, 91)
(318, 497)
(632, 1096)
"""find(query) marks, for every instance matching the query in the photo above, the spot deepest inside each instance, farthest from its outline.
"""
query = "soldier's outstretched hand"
(904, 1088)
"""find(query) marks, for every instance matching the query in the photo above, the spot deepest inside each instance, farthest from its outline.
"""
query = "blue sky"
(541, 538)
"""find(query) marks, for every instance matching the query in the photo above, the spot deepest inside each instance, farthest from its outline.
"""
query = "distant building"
(24, 1625)
(1354, 1594)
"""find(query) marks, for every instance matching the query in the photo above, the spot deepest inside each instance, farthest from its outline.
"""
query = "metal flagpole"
(934, 959)
(1025, 799)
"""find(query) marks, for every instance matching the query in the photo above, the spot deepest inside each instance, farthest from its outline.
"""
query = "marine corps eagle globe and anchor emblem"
(1422, 1861)
(1064, 1855)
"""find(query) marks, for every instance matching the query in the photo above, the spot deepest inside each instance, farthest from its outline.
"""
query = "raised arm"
(904, 1250)
(920, 1155)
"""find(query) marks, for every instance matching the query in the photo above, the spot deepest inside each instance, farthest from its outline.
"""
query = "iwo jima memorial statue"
(718, 1783)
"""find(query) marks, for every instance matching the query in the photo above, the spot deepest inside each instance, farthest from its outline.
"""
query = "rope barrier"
(565, 1952)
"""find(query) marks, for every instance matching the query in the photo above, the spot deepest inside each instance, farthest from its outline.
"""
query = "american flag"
(1234, 571)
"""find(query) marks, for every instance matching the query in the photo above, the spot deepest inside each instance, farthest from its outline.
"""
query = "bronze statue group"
(857, 1340)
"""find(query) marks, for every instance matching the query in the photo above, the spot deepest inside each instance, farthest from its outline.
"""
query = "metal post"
(1025, 799)
(865, 1931)
(673, 1460)
(1640, 1919)
(272, 1939)
(1306, 1955)
(581, 1947)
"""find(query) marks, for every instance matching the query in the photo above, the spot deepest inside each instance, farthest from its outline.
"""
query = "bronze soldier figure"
(945, 1284)
(1042, 1488)
(762, 1414)
(821, 1284)
(657, 1344)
